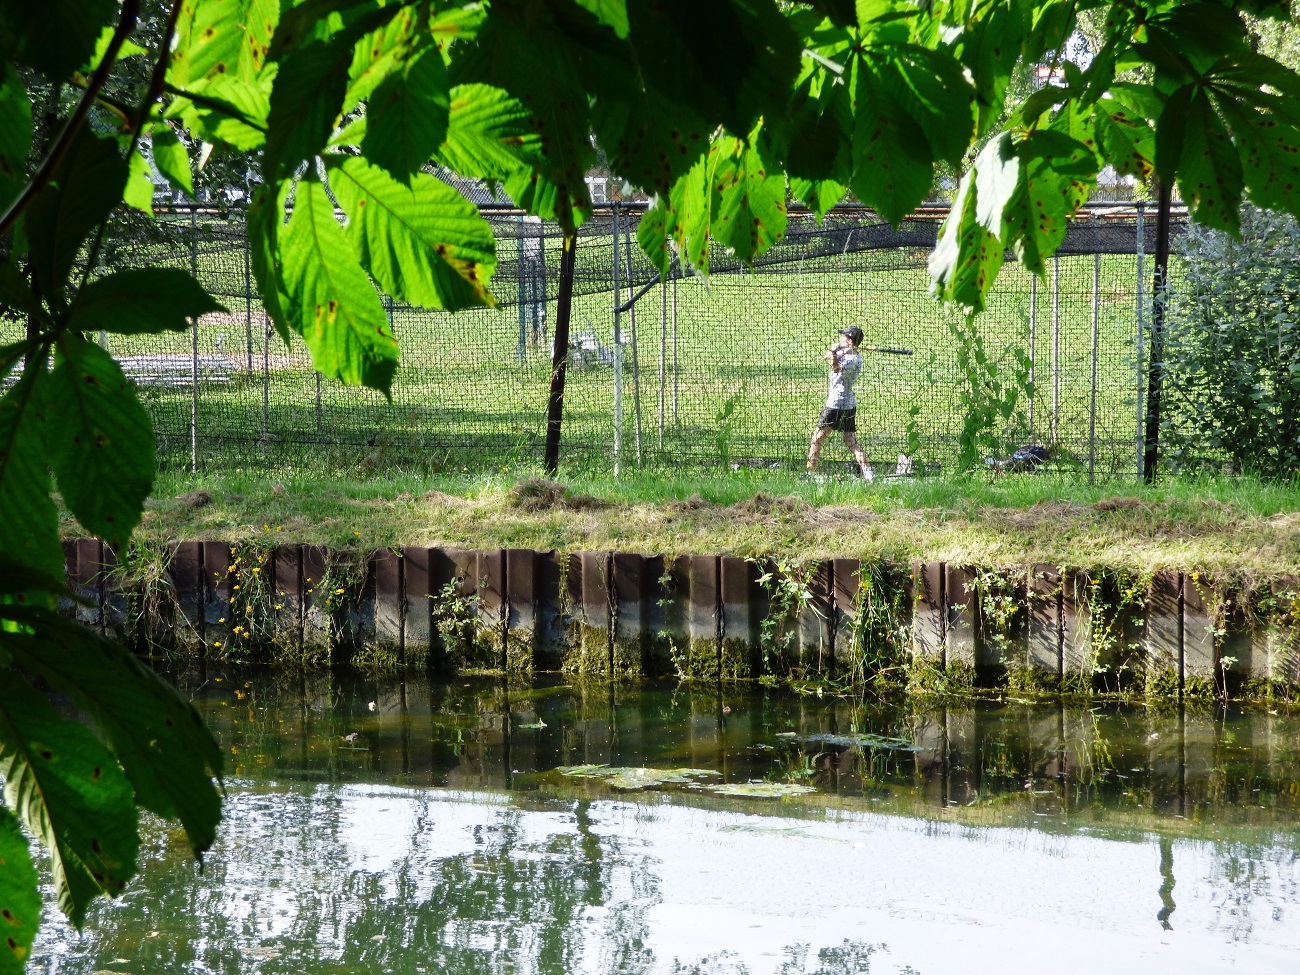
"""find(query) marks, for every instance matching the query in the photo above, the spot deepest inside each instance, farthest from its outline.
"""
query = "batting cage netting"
(693, 373)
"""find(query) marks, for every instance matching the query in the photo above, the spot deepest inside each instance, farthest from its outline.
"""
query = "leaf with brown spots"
(967, 257)
(101, 440)
(331, 303)
(424, 243)
(156, 735)
(893, 166)
(87, 824)
(222, 37)
(1209, 167)
(750, 205)
(20, 898)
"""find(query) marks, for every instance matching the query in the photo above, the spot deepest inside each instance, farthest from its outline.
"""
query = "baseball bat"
(879, 348)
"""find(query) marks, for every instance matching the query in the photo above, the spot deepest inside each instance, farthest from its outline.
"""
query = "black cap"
(854, 333)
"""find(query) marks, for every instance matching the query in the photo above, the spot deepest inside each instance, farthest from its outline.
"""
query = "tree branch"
(49, 165)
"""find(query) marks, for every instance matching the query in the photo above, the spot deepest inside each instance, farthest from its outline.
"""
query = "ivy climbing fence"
(691, 373)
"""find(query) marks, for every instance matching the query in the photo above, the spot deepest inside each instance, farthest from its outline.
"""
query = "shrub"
(1232, 349)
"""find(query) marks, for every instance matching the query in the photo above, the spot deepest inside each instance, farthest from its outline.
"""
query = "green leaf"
(934, 93)
(305, 103)
(751, 213)
(1036, 218)
(138, 193)
(406, 118)
(819, 146)
(490, 134)
(101, 445)
(1126, 139)
(1209, 171)
(29, 522)
(20, 896)
(15, 134)
(228, 38)
(733, 62)
(225, 111)
(331, 302)
(16, 292)
(967, 256)
(997, 173)
(652, 234)
(128, 49)
(141, 301)
(1269, 157)
(378, 55)
(424, 243)
(172, 159)
(90, 182)
(308, 95)
(69, 792)
(512, 53)
(650, 140)
(265, 224)
(168, 754)
(691, 203)
(819, 196)
(56, 36)
(611, 13)
(892, 167)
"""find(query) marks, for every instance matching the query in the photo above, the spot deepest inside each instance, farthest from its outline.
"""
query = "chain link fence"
(695, 374)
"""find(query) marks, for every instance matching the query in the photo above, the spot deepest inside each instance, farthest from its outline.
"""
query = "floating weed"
(862, 740)
(637, 778)
(760, 790)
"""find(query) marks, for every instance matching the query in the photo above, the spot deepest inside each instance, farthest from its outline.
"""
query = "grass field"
(748, 384)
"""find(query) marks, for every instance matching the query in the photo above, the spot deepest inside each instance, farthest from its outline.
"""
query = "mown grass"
(1237, 528)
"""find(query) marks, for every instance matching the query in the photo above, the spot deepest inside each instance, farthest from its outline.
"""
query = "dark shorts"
(845, 421)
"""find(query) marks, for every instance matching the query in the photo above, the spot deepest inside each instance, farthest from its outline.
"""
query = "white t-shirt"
(840, 395)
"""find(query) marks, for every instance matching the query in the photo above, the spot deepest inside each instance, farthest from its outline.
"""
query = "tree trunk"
(1156, 369)
(560, 354)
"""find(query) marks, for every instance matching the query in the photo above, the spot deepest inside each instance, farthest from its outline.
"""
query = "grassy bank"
(1239, 527)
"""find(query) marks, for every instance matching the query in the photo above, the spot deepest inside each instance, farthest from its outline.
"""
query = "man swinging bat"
(840, 412)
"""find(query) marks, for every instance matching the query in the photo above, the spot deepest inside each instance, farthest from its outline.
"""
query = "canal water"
(475, 827)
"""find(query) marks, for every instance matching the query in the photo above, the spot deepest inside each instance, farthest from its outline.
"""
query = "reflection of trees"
(286, 890)
(285, 894)
(847, 958)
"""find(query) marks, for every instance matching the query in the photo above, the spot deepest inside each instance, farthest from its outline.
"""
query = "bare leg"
(815, 448)
(860, 455)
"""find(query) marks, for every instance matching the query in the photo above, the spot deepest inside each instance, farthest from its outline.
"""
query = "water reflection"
(431, 833)
(979, 761)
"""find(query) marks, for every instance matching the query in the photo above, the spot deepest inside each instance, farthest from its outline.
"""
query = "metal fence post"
(1056, 348)
(522, 289)
(1141, 332)
(248, 294)
(266, 376)
(676, 419)
(1092, 391)
(194, 347)
(1033, 334)
(663, 352)
(636, 358)
(618, 358)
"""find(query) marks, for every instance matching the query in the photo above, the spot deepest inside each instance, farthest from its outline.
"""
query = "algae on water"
(760, 790)
(637, 778)
(859, 739)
